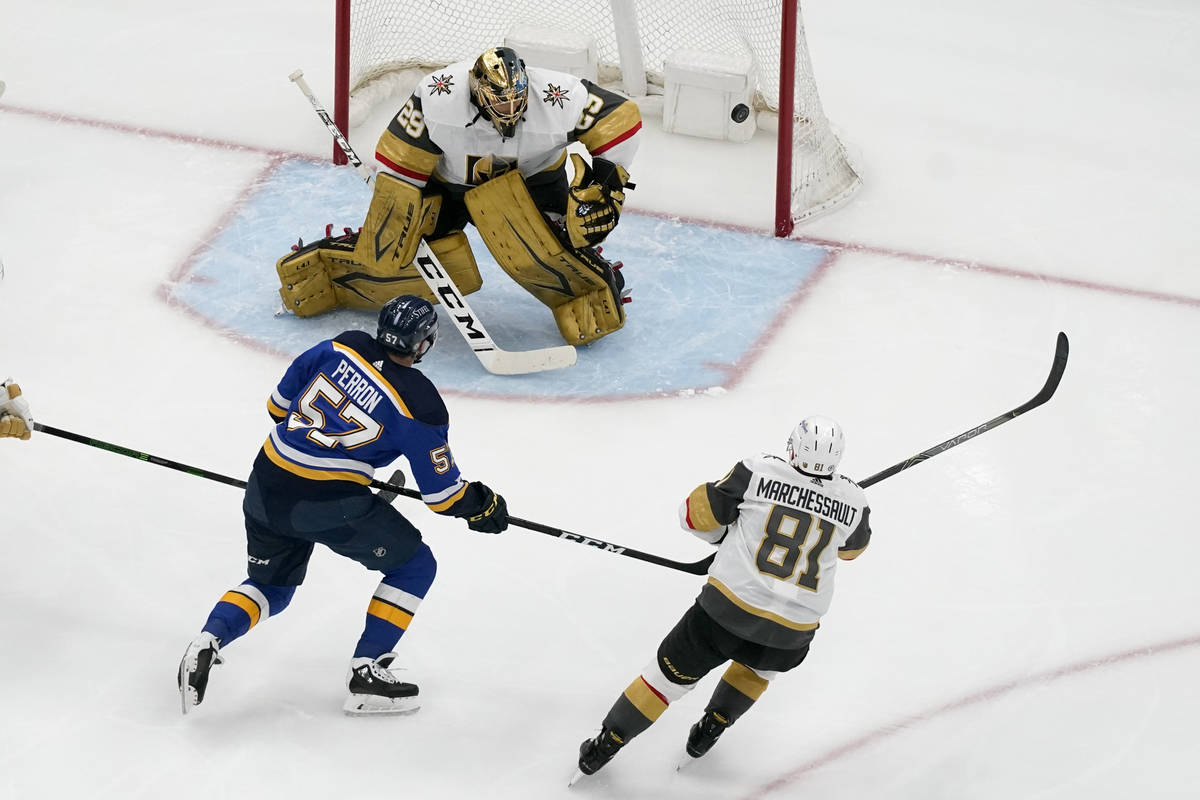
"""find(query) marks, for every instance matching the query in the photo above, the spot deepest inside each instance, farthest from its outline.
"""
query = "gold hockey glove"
(13, 426)
(594, 200)
(15, 419)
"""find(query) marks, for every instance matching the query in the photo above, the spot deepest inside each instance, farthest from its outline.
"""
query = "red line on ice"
(975, 698)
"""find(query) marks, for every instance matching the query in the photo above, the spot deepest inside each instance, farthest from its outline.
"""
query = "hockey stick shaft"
(140, 456)
(466, 321)
(1059, 365)
(1057, 368)
(697, 568)
(297, 78)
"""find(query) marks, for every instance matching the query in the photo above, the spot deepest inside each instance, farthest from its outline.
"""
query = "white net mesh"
(406, 37)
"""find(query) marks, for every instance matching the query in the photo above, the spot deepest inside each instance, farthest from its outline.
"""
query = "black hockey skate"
(198, 659)
(375, 689)
(595, 753)
(704, 734)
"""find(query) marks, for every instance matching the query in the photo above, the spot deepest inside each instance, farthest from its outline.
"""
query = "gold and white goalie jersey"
(780, 535)
(439, 131)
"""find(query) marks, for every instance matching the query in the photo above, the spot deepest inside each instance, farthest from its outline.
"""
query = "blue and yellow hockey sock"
(395, 602)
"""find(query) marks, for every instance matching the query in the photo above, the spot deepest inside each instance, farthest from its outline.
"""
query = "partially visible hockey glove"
(494, 516)
(16, 420)
(594, 200)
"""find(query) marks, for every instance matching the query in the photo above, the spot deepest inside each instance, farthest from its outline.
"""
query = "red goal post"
(382, 44)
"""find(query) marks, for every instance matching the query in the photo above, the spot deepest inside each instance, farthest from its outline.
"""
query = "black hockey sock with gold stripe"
(740, 686)
(644, 701)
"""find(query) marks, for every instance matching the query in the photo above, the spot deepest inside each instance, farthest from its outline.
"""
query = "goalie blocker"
(367, 268)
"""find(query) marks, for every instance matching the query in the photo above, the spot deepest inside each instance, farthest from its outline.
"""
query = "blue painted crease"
(703, 297)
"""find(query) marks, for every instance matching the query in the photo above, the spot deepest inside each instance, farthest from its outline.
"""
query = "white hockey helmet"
(816, 446)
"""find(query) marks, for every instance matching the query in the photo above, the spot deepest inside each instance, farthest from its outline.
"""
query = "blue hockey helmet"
(408, 326)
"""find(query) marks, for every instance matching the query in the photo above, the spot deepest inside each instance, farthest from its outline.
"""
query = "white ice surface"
(1025, 624)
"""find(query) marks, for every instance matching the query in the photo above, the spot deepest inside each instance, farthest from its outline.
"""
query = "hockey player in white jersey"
(485, 142)
(780, 526)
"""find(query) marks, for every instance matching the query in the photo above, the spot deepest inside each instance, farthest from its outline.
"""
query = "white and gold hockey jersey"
(780, 535)
(441, 132)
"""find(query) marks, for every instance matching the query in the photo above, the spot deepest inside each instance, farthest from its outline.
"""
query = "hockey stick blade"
(394, 484)
(523, 362)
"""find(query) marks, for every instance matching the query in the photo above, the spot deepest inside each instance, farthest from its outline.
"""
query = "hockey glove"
(594, 200)
(494, 516)
(16, 421)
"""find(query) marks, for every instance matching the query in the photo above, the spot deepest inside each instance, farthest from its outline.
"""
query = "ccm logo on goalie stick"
(446, 294)
(575, 537)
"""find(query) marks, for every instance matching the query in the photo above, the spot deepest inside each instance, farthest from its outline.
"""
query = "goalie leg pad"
(326, 274)
(357, 287)
(304, 282)
(580, 283)
(396, 220)
(589, 317)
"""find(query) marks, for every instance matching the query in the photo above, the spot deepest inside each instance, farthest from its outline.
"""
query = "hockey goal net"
(384, 44)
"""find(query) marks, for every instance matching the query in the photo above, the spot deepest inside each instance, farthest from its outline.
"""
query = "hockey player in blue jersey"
(343, 408)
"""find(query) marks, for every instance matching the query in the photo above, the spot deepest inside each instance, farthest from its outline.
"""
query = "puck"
(740, 113)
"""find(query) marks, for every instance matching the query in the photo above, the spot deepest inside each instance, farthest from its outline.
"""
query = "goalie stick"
(494, 359)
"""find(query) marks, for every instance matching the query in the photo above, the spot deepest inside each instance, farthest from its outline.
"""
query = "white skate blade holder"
(371, 705)
(187, 695)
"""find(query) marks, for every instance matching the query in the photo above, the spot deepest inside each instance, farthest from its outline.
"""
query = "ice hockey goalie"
(486, 142)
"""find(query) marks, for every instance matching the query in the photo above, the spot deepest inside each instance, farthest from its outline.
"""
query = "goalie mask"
(408, 326)
(815, 446)
(500, 88)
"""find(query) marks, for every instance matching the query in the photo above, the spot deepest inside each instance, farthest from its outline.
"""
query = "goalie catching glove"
(16, 421)
(594, 200)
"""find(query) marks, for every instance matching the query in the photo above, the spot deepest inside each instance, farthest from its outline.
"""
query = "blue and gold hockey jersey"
(344, 408)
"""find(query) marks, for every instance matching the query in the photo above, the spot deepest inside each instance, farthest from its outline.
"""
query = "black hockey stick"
(693, 568)
(388, 491)
(1056, 372)
(1057, 368)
